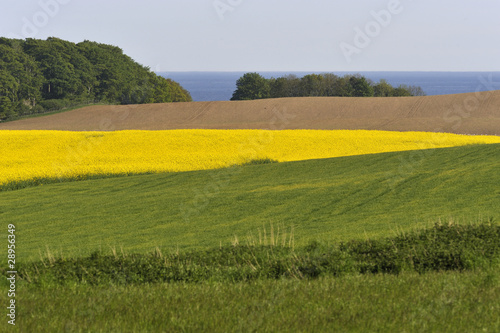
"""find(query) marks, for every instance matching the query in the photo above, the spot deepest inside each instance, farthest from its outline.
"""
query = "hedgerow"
(441, 248)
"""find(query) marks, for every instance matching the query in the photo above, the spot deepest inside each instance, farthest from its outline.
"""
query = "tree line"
(255, 86)
(45, 75)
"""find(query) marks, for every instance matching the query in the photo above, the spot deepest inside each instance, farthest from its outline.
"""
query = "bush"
(38, 109)
(444, 247)
(54, 104)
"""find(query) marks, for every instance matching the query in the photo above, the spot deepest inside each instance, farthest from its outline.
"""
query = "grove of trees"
(45, 75)
(255, 86)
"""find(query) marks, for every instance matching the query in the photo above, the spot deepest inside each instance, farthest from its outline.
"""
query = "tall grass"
(447, 301)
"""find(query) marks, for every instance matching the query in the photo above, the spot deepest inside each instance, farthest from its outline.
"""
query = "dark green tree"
(6, 110)
(383, 89)
(401, 91)
(54, 73)
(251, 86)
(9, 86)
(20, 78)
(330, 82)
(312, 85)
(277, 87)
(360, 87)
(342, 87)
(54, 58)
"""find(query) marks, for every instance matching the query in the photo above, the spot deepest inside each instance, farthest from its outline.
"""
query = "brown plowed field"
(474, 113)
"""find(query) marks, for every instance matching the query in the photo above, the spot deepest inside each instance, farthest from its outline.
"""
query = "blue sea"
(219, 86)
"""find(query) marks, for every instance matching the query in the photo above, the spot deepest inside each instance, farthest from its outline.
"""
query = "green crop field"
(306, 209)
(329, 200)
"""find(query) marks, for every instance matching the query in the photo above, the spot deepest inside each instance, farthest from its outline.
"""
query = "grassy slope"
(329, 200)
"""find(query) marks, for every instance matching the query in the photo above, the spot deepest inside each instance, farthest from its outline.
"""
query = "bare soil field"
(473, 113)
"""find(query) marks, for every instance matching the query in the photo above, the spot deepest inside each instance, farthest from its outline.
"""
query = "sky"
(274, 35)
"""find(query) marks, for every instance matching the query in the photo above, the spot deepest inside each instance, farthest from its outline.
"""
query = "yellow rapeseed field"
(32, 155)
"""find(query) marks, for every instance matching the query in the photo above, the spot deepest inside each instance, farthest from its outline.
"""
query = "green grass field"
(330, 201)
(435, 302)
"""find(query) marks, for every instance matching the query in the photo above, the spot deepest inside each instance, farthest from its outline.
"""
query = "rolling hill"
(328, 200)
(473, 113)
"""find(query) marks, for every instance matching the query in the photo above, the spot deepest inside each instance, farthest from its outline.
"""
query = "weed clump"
(260, 161)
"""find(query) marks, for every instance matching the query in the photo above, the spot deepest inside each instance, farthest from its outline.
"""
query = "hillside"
(327, 200)
(462, 113)
(44, 75)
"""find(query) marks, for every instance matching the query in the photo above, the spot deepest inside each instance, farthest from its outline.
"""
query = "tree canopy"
(255, 86)
(251, 86)
(43, 75)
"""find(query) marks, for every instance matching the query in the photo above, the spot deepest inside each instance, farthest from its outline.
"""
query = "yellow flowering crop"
(29, 155)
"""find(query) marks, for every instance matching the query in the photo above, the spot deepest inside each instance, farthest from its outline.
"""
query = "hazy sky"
(274, 35)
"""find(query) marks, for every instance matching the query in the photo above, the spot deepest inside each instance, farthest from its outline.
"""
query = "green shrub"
(444, 247)
(54, 104)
